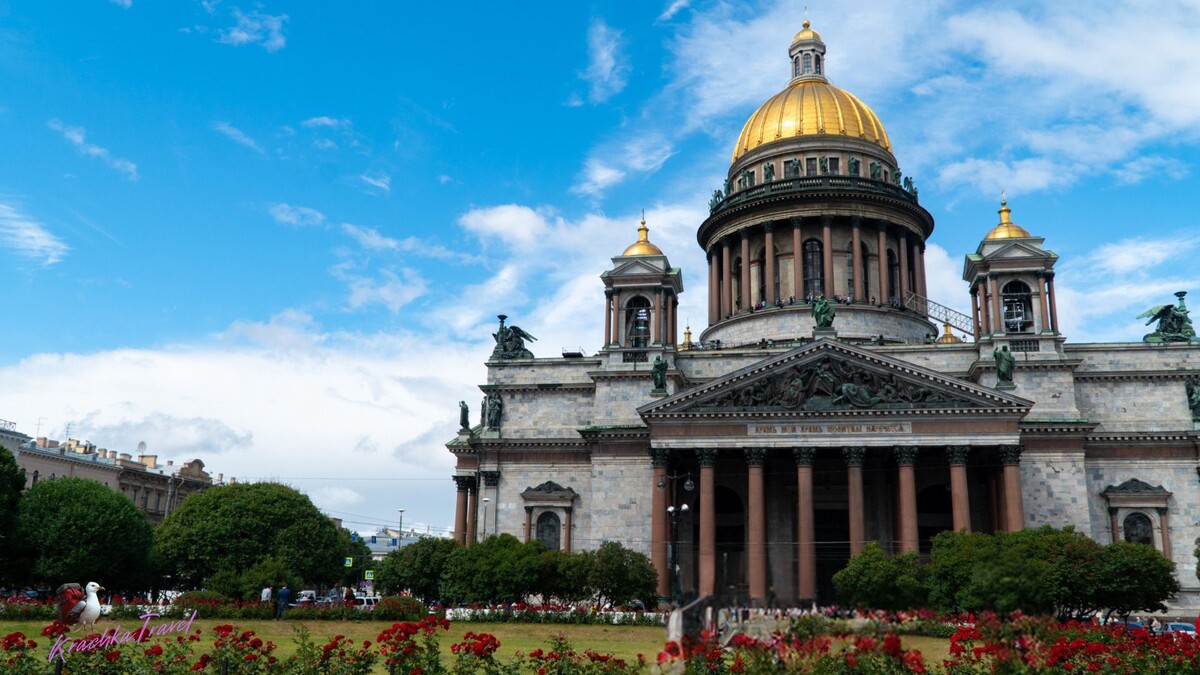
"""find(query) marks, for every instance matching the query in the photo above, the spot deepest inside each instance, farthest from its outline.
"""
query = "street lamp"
(400, 531)
(483, 532)
(673, 555)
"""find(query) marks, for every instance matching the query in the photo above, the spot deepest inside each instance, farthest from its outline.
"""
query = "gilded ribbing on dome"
(810, 107)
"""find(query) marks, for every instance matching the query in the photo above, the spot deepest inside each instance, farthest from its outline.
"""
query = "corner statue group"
(510, 342)
(1173, 322)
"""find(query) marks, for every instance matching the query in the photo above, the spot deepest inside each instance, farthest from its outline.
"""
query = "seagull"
(74, 610)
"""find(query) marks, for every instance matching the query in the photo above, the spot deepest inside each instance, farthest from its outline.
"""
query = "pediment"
(1017, 250)
(634, 267)
(828, 376)
(549, 491)
(1134, 486)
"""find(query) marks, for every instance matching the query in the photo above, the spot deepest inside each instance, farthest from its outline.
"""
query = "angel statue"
(1173, 322)
(510, 342)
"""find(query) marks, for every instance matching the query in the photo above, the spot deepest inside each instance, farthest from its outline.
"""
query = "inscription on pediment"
(833, 384)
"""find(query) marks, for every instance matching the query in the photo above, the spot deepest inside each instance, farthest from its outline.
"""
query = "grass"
(624, 642)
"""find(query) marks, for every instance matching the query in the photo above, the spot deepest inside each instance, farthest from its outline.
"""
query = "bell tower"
(641, 294)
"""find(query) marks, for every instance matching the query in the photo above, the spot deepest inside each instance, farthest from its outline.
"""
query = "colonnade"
(722, 301)
(664, 313)
(1010, 516)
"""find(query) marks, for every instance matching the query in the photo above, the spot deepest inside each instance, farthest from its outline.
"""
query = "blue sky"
(275, 236)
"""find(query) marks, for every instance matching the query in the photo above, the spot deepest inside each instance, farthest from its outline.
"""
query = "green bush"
(399, 608)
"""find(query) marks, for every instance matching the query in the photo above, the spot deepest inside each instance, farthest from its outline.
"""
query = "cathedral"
(828, 402)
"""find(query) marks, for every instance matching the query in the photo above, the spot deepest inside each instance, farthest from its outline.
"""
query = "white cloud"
(255, 28)
(290, 330)
(369, 238)
(516, 225)
(674, 8)
(324, 144)
(296, 215)
(443, 179)
(1020, 176)
(607, 70)
(380, 180)
(126, 4)
(29, 238)
(236, 135)
(1140, 168)
(391, 290)
(325, 121)
(597, 177)
(76, 136)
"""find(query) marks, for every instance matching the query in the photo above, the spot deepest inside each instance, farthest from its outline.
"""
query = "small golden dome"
(643, 246)
(806, 34)
(948, 337)
(810, 107)
(1007, 229)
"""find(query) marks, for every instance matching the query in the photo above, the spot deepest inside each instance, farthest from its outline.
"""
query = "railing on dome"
(813, 184)
(939, 312)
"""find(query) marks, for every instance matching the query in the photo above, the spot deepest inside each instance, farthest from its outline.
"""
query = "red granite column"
(658, 520)
(985, 307)
(608, 315)
(616, 334)
(1045, 304)
(960, 498)
(569, 531)
(656, 319)
(714, 290)
(806, 550)
(797, 259)
(726, 280)
(854, 492)
(769, 257)
(1014, 516)
(756, 526)
(528, 522)
(472, 511)
(882, 274)
(906, 457)
(975, 312)
(859, 291)
(1112, 519)
(919, 259)
(745, 294)
(997, 316)
(903, 247)
(827, 254)
(460, 509)
(708, 521)
(1053, 303)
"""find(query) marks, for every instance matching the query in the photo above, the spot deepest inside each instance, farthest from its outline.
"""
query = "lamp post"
(483, 529)
(400, 530)
(673, 554)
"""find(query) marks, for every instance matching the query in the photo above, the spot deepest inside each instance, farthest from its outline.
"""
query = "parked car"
(366, 602)
(1181, 627)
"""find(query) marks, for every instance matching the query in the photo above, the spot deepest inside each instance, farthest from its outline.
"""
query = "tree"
(1135, 578)
(77, 530)
(953, 559)
(874, 579)
(620, 575)
(12, 482)
(357, 550)
(498, 569)
(234, 527)
(416, 568)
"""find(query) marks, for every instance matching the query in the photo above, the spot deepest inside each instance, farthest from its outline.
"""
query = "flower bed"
(522, 613)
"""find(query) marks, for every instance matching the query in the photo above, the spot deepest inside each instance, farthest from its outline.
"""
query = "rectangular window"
(810, 166)
(749, 178)
(834, 166)
(792, 168)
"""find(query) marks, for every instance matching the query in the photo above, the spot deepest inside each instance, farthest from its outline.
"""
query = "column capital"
(1010, 455)
(660, 457)
(804, 456)
(756, 456)
(464, 483)
(880, 224)
(1162, 511)
(993, 275)
(855, 456)
(827, 220)
(856, 221)
(745, 234)
(707, 456)
(528, 510)
(490, 478)
(906, 455)
(956, 455)
(796, 221)
(769, 226)
(1113, 510)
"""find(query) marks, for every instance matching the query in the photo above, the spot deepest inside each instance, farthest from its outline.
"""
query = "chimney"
(220, 478)
(125, 455)
(42, 442)
(170, 462)
(151, 461)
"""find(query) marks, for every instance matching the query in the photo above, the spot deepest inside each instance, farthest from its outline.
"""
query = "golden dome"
(810, 107)
(948, 337)
(1007, 229)
(806, 34)
(643, 246)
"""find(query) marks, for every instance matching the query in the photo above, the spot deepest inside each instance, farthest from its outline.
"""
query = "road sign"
(369, 575)
(349, 561)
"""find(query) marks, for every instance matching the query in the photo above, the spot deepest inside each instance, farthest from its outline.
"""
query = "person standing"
(285, 596)
(266, 593)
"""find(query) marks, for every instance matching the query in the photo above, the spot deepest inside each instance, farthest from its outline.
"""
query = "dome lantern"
(643, 246)
(808, 55)
(1007, 229)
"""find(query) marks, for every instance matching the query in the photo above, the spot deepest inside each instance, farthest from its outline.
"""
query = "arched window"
(1018, 307)
(1138, 529)
(637, 322)
(814, 269)
(808, 68)
(817, 64)
(549, 530)
(796, 67)
(36, 475)
(850, 271)
(52, 476)
(893, 289)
